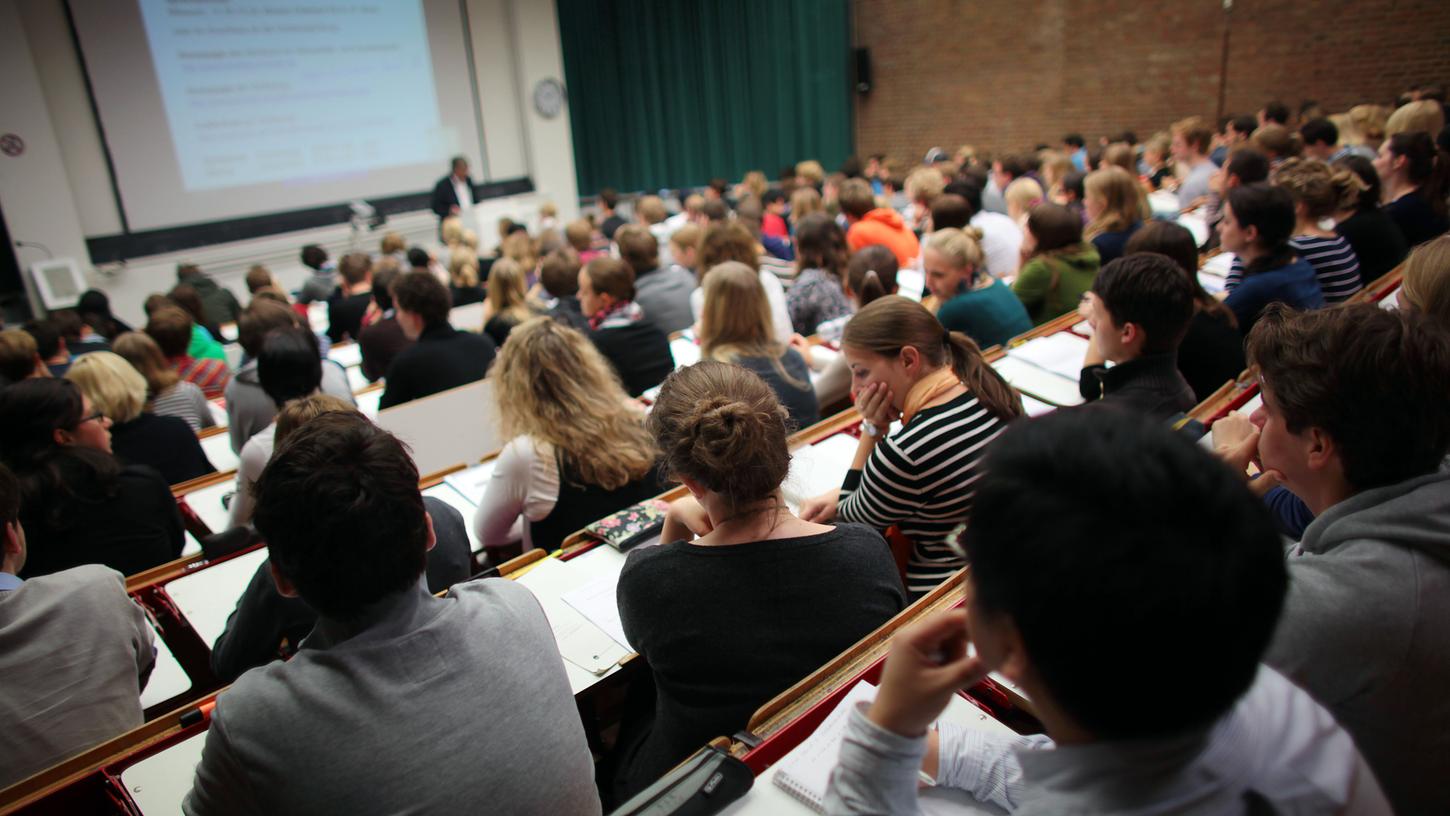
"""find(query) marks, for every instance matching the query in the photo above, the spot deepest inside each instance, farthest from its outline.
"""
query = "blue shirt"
(1294, 284)
(990, 316)
(9, 582)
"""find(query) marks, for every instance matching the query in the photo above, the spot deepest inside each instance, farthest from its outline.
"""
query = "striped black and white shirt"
(184, 400)
(922, 479)
(1335, 265)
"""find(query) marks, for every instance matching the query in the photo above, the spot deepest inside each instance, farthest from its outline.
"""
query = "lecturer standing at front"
(453, 194)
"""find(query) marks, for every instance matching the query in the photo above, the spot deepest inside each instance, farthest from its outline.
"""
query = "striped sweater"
(922, 479)
(1335, 265)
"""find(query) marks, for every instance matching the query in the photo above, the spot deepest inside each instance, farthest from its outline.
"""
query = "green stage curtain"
(672, 93)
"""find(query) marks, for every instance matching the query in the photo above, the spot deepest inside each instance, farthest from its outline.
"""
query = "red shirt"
(211, 376)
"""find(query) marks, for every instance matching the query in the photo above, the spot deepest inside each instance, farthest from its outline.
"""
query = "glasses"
(96, 416)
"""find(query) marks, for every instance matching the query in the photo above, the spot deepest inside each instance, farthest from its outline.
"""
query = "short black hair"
(314, 256)
(47, 337)
(1369, 197)
(969, 187)
(773, 195)
(289, 365)
(950, 210)
(1321, 131)
(1074, 139)
(1277, 112)
(1268, 208)
(1247, 164)
(1073, 182)
(1172, 573)
(1245, 124)
(418, 257)
(455, 161)
(383, 280)
(1150, 291)
(340, 509)
(421, 293)
(609, 197)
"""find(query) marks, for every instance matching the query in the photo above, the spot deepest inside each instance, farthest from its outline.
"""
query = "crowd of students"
(1284, 635)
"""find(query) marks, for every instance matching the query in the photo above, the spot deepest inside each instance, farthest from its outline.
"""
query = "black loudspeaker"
(863, 70)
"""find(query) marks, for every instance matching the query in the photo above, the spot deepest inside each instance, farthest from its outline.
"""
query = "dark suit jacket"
(264, 618)
(445, 199)
(443, 358)
(344, 316)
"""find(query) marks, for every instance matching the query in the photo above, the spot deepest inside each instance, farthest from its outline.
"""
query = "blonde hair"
(552, 384)
(393, 242)
(735, 321)
(519, 247)
(755, 183)
(1122, 200)
(1427, 279)
(1369, 123)
(687, 237)
(548, 210)
(1323, 190)
(451, 230)
(925, 184)
(1278, 141)
(506, 290)
(1055, 165)
(652, 209)
(463, 270)
(961, 247)
(803, 202)
(580, 234)
(810, 170)
(303, 410)
(138, 349)
(469, 238)
(1021, 195)
(1425, 116)
(114, 387)
(1119, 154)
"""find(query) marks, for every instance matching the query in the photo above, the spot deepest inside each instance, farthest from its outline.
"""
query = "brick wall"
(1004, 75)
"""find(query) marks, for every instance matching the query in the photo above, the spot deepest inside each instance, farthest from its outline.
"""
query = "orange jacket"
(884, 227)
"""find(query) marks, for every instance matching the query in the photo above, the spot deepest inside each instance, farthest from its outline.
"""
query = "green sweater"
(1072, 267)
(203, 345)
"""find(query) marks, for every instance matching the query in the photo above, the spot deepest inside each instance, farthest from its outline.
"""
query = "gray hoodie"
(1366, 630)
(249, 409)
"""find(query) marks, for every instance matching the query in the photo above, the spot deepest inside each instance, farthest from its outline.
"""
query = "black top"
(799, 397)
(498, 327)
(1211, 354)
(580, 504)
(639, 352)
(1417, 222)
(725, 629)
(464, 295)
(132, 526)
(1376, 241)
(568, 312)
(611, 225)
(1149, 385)
(264, 618)
(380, 343)
(345, 314)
(443, 358)
(166, 443)
(1110, 245)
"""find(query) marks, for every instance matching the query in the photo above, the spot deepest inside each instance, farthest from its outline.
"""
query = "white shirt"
(524, 485)
(1001, 242)
(464, 191)
(251, 462)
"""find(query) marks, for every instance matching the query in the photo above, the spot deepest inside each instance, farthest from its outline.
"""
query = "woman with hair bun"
(951, 404)
(1319, 192)
(744, 599)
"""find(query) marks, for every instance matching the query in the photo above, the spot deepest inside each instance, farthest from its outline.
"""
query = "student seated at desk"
(576, 453)
(1258, 220)
(166, 393)
(397, 701)
(731, 241)
(508, 303)
(289, 367)
(75, 652)
(1212, 351)
(972, 302)
(1354, 423)
(80, 504)
(870, 274)
(249, 409)
(559, 278)
(638, 350)
(1377, 241)
(441, 356)
(1415, 175)
(463, 284)
(735, 328)
(171, 328)
(138, 437)
(662, 291)
(1139, 309)
(1113, 203)
(1057, 266)
(382, 339)
(264, 618)
(951, 405)
(1319, 192)
(345, 313)
(1426, 286)
(1175, 601)
(744, 599)
(817, 295)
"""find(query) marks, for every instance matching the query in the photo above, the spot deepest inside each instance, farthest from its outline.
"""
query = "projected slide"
(263, 91)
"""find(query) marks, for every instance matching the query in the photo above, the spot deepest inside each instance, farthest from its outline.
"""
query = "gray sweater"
(249, 409)
(664, 294)
(426, 705)
(1366, 630)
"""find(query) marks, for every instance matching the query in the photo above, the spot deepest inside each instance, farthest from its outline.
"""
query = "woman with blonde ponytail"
(799, 593)
(950, 403)
(1319, 192)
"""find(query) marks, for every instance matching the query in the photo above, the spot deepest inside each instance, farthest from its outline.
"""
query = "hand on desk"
(820, 509)
(686, 520)
(928, 664)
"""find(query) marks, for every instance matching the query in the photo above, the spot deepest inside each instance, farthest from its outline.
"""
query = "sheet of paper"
(1061, 353)
(1211, 284)
(1392, 300)
(317, 316)
(1219, 265)
(588, 651)
(814, 469)
(685, 352)
(160, 782)
(1046, 386)
(1036, 407)
(190, 546)
(1255, 403)
(597, 601)
(207, 597)
(1196, 224)
(356, 380)
(207, 503)
(347, 355)
(472, 482)
(218, 412)
(467, 318)
(910, 283)
(1163, 202)
(218, 449)
(367, 402)
(167, 680)
(450, 495)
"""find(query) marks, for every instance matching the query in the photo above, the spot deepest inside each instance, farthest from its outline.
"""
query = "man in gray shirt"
(75, 652)
(398, 701)
(663, 292)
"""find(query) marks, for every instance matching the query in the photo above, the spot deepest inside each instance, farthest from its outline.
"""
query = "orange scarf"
(926, 390)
